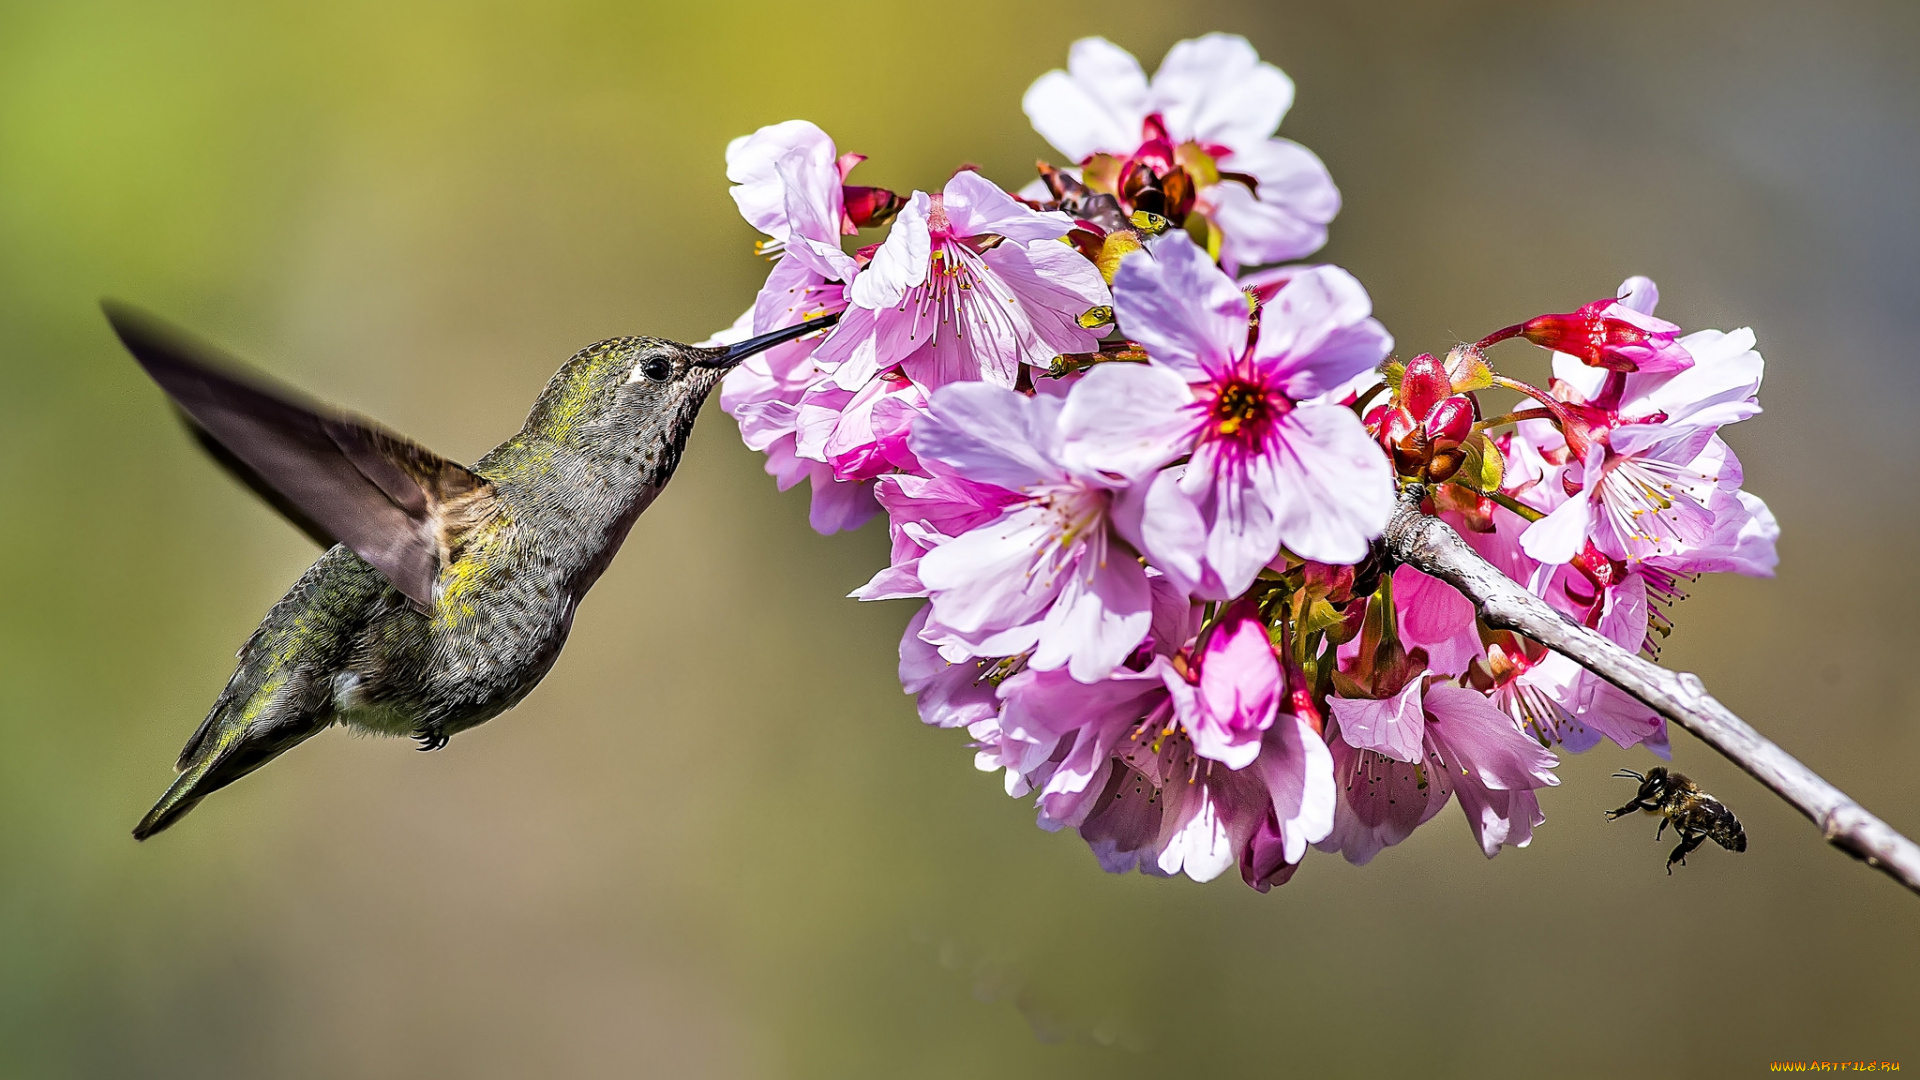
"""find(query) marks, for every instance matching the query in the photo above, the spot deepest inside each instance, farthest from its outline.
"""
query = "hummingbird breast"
(504, 600)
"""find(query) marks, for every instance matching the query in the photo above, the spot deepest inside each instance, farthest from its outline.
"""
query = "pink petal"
(1239, 693)
(1054, 285)
(1298, 770)
(1434, 616)
(1380, 801)
(1170, 530)
(1482, 743)
(1180, 307)
(1316, 333)
(950, 695)
(1334, 488)
(989, 577)
(976, 206)
(989, 435)
(1126, 420)
(1099, 618)
(839, 506)
(1394, 727)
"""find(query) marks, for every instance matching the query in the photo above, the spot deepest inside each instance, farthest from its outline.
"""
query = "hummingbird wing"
(338, 477)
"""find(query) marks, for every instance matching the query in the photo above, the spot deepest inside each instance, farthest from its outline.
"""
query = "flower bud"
(1449, 422)
(870, 206)
(1608, 334)
(1425, 384)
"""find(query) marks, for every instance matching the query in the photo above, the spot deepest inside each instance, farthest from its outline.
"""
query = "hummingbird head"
(642, 385)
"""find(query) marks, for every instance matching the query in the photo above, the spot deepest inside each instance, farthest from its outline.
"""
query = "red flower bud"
(1597, 340)
(1449, 422)
(1425, 384)
(870, 206)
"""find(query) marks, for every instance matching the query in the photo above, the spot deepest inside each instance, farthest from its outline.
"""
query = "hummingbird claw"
(431, 739)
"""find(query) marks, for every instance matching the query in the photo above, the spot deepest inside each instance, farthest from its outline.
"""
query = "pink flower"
(1397, 761)
(1197, 139)
(1045, 576)
(861, 434)
(1654, 482)
(1269, 465)
(969, 285)
(1168, 810)
(789, 184)
(1231, 693)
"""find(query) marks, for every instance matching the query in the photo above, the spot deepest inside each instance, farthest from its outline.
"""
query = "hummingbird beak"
(726, 357)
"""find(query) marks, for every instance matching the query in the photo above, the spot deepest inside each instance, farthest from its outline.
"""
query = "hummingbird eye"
(658, 368)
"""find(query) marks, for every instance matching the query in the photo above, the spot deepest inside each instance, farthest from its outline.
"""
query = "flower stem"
(1513, 504)
(1516, 417)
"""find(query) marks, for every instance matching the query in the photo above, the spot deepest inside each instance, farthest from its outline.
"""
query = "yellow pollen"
(1238, 406)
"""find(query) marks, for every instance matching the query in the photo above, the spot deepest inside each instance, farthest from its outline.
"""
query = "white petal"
(1216, 89)
(1639, 293)
(1254, 231)
(976, 206)
(752, 165)
(901, 262)
(1097, 104)
(1559, 536)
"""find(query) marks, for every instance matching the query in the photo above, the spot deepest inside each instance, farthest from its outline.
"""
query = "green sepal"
(1483, 468)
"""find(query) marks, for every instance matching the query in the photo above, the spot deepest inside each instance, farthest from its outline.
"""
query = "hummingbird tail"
(225, 753)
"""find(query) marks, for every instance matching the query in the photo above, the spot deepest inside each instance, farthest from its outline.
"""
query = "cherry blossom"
(969, 285)
(1269, 465)
(1197, 139)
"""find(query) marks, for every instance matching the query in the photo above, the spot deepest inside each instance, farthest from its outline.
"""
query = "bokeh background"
(715, 842)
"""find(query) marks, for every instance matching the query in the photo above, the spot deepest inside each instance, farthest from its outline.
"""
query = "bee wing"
(338, 477)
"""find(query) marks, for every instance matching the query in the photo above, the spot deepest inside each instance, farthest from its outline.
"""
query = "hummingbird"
(445, 592)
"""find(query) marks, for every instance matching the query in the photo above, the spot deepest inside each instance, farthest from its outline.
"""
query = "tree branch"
(1429, 545)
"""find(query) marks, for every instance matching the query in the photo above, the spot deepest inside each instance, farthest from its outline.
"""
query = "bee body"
(1695, 815)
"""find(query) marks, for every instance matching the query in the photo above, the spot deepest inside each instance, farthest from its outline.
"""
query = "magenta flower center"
(1242, 410)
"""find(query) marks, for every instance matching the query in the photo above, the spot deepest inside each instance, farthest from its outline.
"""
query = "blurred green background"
(715, 842)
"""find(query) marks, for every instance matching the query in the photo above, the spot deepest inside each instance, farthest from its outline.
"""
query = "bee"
(1694, 814)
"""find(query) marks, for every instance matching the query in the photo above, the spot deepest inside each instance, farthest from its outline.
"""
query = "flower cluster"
(1141, 497)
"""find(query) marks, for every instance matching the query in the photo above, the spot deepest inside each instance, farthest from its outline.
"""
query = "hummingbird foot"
(431, 738)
